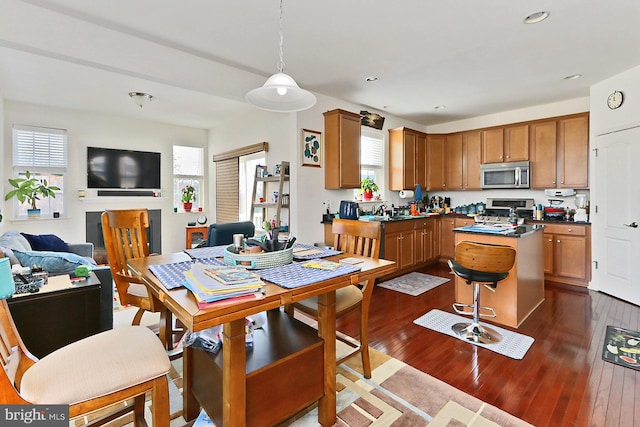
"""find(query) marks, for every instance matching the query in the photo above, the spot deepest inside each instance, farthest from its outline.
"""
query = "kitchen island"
(517, 296)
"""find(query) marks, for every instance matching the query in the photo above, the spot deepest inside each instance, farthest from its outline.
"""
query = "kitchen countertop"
(519, 231)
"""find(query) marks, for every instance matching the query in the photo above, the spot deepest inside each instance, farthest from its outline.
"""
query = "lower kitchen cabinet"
(399, 243)
(567, 253)
(427, 236)
(447, 238)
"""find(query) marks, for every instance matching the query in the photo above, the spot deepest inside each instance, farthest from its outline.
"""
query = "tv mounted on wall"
(122, 169)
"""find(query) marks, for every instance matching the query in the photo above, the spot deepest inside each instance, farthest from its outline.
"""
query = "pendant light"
(280, 92)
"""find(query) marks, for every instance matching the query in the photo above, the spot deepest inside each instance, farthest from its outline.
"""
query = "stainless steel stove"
(497, 210)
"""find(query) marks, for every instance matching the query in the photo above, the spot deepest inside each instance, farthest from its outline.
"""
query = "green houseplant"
(188, 197)
(30, 189)
(368, 187)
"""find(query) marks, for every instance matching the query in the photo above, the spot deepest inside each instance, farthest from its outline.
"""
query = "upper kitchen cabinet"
(559, 152)
(436, 171)
(505, 144)
(341, 149)
(407, 159)
(573, 151)
(462, 160)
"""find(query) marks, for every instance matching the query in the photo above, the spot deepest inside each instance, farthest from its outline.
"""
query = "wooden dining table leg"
(327, 331)
(190, 405)
(234, 360)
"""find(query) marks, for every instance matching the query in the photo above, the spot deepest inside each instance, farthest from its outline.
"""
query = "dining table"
(182, 304)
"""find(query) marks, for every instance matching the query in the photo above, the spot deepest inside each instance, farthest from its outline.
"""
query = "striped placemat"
(295, 275)
(172, 275)
(206, 252)
(306, 252)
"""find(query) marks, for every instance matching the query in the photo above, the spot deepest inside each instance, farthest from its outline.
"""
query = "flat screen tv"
(128, 169)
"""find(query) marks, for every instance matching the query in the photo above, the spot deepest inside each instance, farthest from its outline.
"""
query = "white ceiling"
(199, 57)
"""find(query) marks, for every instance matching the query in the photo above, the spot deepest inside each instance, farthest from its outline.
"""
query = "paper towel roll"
(406, 194)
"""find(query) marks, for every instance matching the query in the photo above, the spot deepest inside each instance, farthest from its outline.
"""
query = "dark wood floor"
(562, 380)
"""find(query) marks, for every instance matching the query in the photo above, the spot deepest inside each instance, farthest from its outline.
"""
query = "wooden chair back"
(485, 257)
(357, 237)
(125, 237)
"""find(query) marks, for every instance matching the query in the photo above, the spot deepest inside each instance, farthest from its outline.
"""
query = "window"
(43, 153)
(188, 169)
(246, 176)
(371, 158)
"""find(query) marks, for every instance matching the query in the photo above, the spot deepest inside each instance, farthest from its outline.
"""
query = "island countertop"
(519, 231)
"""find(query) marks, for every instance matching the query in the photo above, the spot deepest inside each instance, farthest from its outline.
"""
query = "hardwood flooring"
(562, 380)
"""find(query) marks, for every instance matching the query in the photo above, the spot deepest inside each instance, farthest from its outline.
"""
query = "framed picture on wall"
(311, 148)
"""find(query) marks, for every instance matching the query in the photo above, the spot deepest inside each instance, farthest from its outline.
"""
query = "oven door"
(505, 175)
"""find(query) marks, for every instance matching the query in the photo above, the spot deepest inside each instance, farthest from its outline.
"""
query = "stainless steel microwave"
(505, 175)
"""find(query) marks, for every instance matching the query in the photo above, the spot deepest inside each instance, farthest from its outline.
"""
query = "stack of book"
(211, 284)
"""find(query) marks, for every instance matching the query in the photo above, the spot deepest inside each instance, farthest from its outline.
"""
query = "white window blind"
(371, 152)
(188, 160)
(39, 147)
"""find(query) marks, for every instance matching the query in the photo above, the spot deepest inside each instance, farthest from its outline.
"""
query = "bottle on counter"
(539, 213)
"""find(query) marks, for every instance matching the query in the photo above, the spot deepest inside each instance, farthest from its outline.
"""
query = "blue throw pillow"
(46, 242)
(52, 262)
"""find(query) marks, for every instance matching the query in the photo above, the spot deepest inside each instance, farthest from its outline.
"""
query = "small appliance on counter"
(581, 214)
(554, 211)
(349, 210)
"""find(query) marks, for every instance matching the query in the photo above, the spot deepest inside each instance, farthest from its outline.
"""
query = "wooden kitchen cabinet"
(427, 237)
(454, 162)
(407, 159)
(436, 172)
(447, 238)
(341, 149)
(543, 154)
(567, 253)
(471, 160)
(505, 144)
(573, 151)
(399, 243)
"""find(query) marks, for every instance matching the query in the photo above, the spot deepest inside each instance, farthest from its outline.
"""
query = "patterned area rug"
(513, 344)
(413, 283)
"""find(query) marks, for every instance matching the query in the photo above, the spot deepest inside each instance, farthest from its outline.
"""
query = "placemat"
(513, 344)
(306, 252)
(295, 275)
(206, 252)
(172, 275)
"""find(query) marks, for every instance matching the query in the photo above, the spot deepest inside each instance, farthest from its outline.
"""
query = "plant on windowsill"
(30, 189)
(368, 187)
(188, 197)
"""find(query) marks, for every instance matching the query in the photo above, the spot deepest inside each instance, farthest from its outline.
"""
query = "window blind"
(39, 147)
(371, 152)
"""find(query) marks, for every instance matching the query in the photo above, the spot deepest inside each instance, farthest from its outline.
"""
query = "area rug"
(622, 347)
(513, 344)
(413, 283)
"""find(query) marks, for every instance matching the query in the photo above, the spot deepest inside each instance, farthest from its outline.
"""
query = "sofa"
(58, 257)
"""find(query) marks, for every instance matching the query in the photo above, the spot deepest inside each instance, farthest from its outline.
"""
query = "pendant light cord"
(281, 61)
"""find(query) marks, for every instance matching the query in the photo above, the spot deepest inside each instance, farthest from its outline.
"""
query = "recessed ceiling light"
(537, 17)
(371, 79)
(439, 107)
(573, 77)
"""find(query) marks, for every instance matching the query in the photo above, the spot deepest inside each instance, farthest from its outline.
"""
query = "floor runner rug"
(513, 344)
(413, 283)
(622, 347)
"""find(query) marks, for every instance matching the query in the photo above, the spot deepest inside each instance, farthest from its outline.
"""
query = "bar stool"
(480, 263)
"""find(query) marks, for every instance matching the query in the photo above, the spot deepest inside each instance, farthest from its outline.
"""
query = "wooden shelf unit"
(260, 185)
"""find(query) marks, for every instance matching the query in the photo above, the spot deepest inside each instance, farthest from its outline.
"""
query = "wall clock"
(202, 219)
(615, 100)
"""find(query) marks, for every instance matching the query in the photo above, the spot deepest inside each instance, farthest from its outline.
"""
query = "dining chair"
(125, 237)
(357, 238)
(88, 375)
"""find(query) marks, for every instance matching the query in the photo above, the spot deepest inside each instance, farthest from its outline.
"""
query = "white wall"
(603, 119)
(100, 130)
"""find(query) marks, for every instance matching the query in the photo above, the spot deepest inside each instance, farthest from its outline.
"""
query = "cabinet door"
(407, 249)
(424, 237)
(447, 241)
(542, 153)
(493, 145)
(471, 160)
(391, 247)
(421, 160)
(516, 143)
(435, 157)
(341, 149)
(453, 162)
(570, 256)
(573, 152)
(409, 161)
(548, 245)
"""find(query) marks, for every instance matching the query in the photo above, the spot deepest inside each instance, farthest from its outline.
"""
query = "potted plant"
(368, 187)
(188, 197)
(29, 189)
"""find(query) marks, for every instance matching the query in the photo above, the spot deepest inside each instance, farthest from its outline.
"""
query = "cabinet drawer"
(398, 226)
(574, 230)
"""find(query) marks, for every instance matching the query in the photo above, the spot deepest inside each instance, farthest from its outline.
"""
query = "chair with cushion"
(90, 374)
(358, 238)
(125, 237)
(222, 233)
(480, 263)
